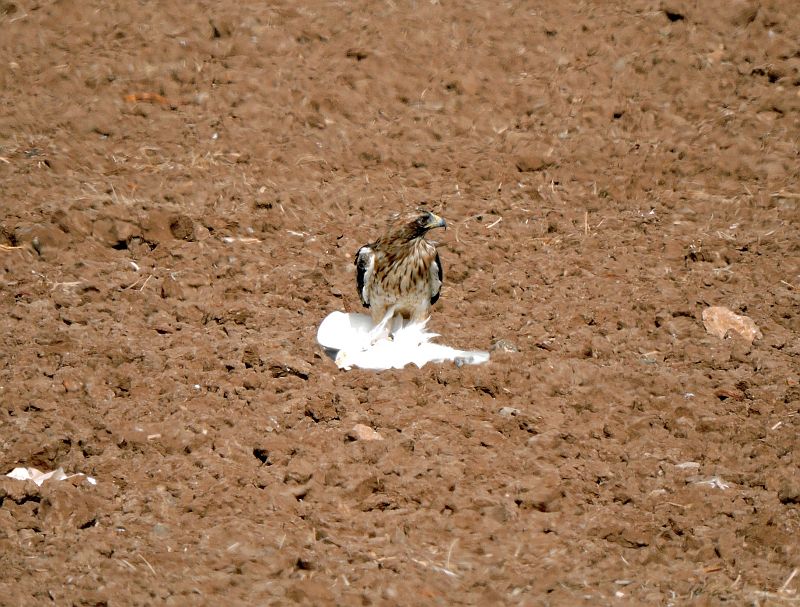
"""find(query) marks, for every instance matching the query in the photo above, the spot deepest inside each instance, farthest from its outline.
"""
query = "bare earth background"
(182, 189)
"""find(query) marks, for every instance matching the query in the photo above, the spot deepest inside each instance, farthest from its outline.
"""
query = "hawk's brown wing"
(436, 270)
(365, 266)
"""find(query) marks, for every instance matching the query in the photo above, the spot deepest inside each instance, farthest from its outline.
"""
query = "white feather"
(357, 342)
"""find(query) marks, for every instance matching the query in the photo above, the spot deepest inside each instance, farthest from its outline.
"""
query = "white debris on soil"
(714, 482)
(39, 477)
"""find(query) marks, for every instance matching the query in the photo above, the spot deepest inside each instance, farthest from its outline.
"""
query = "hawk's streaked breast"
(401, 270)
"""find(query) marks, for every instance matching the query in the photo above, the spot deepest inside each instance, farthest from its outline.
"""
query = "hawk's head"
(415, 225)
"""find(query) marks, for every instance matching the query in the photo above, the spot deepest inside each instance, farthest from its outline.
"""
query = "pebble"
(532, 161)
(503, 345)
(72, 384)
(789, 493)
(720, 321)
(365, 433)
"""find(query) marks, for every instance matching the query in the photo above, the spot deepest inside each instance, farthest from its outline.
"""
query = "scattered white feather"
(39, 477)
(353, 341)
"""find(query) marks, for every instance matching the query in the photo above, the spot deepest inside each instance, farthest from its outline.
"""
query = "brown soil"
(182, 189)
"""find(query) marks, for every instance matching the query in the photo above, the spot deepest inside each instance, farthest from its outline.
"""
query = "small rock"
(532, 161)
(64, 506)
(362, 432)
(719, 321)
(543, 495)
(114, 232)
(289, 365)
(503, 345)
(171, 288)
(509, 412)
(789, 493)
(299, 472)
(325, 409)
(181, 227)
(740, 12)
(72, 384)
(162, 322)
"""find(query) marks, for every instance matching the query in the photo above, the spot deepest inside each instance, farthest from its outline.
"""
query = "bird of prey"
(399, 276)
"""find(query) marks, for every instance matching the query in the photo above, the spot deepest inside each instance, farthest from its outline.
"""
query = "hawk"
(400, 274)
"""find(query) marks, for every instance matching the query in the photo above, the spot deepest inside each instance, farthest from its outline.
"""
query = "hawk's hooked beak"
(434, 221)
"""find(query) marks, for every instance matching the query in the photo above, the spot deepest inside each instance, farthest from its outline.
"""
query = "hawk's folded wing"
(436, 279)
(365, 266)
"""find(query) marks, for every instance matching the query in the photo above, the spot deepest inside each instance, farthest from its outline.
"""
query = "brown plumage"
(401, 271)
